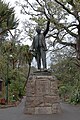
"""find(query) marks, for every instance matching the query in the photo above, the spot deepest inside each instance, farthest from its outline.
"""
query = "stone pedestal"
(42, 94)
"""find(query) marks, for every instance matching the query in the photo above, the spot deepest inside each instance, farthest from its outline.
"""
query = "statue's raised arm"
(47, 29)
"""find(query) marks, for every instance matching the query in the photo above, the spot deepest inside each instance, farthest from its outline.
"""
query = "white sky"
(17, 8)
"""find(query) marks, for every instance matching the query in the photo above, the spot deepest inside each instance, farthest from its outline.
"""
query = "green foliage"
(7, 18)
(17, 82)
(75, 95)
(68, 75)
(14, 61)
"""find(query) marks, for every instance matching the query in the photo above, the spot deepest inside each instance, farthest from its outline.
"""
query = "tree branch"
(28, 13)
(43, 8)
(64, 7)
(74, 14)
(62, 26)
(32, 6)
(68, 44)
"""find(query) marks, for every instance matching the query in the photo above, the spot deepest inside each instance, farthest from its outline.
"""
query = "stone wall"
(42, 95)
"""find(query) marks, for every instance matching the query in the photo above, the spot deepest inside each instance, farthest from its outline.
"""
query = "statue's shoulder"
(36, 36)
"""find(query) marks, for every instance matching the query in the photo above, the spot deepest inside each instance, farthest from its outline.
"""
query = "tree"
(14, 61)
(7, 18)
(64, 17)
(14, 57)
(68, 75)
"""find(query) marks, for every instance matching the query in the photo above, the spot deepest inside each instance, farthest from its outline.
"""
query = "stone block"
(56, 108)
(29, 110)
(42, 88)
(43, 110)
(29, 101)
(51, 99)
(30, 88)
(53, 85)
(39, 101)
(34, 101)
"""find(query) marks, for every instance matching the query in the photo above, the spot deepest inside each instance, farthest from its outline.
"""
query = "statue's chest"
(39, 37)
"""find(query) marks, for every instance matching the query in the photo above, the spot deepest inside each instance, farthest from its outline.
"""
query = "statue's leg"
(38, 59)
(43, 56)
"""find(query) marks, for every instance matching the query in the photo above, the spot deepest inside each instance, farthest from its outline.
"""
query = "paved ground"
(69, 112)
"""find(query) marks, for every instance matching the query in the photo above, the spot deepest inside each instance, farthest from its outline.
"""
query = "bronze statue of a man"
(39, 46)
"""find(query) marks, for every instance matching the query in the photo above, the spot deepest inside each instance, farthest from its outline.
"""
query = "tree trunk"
(78, 43)
(13, 62)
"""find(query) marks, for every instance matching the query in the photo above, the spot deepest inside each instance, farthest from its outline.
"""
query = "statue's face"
(38, 29)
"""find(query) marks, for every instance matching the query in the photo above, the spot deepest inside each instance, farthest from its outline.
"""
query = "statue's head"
(38, 29)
